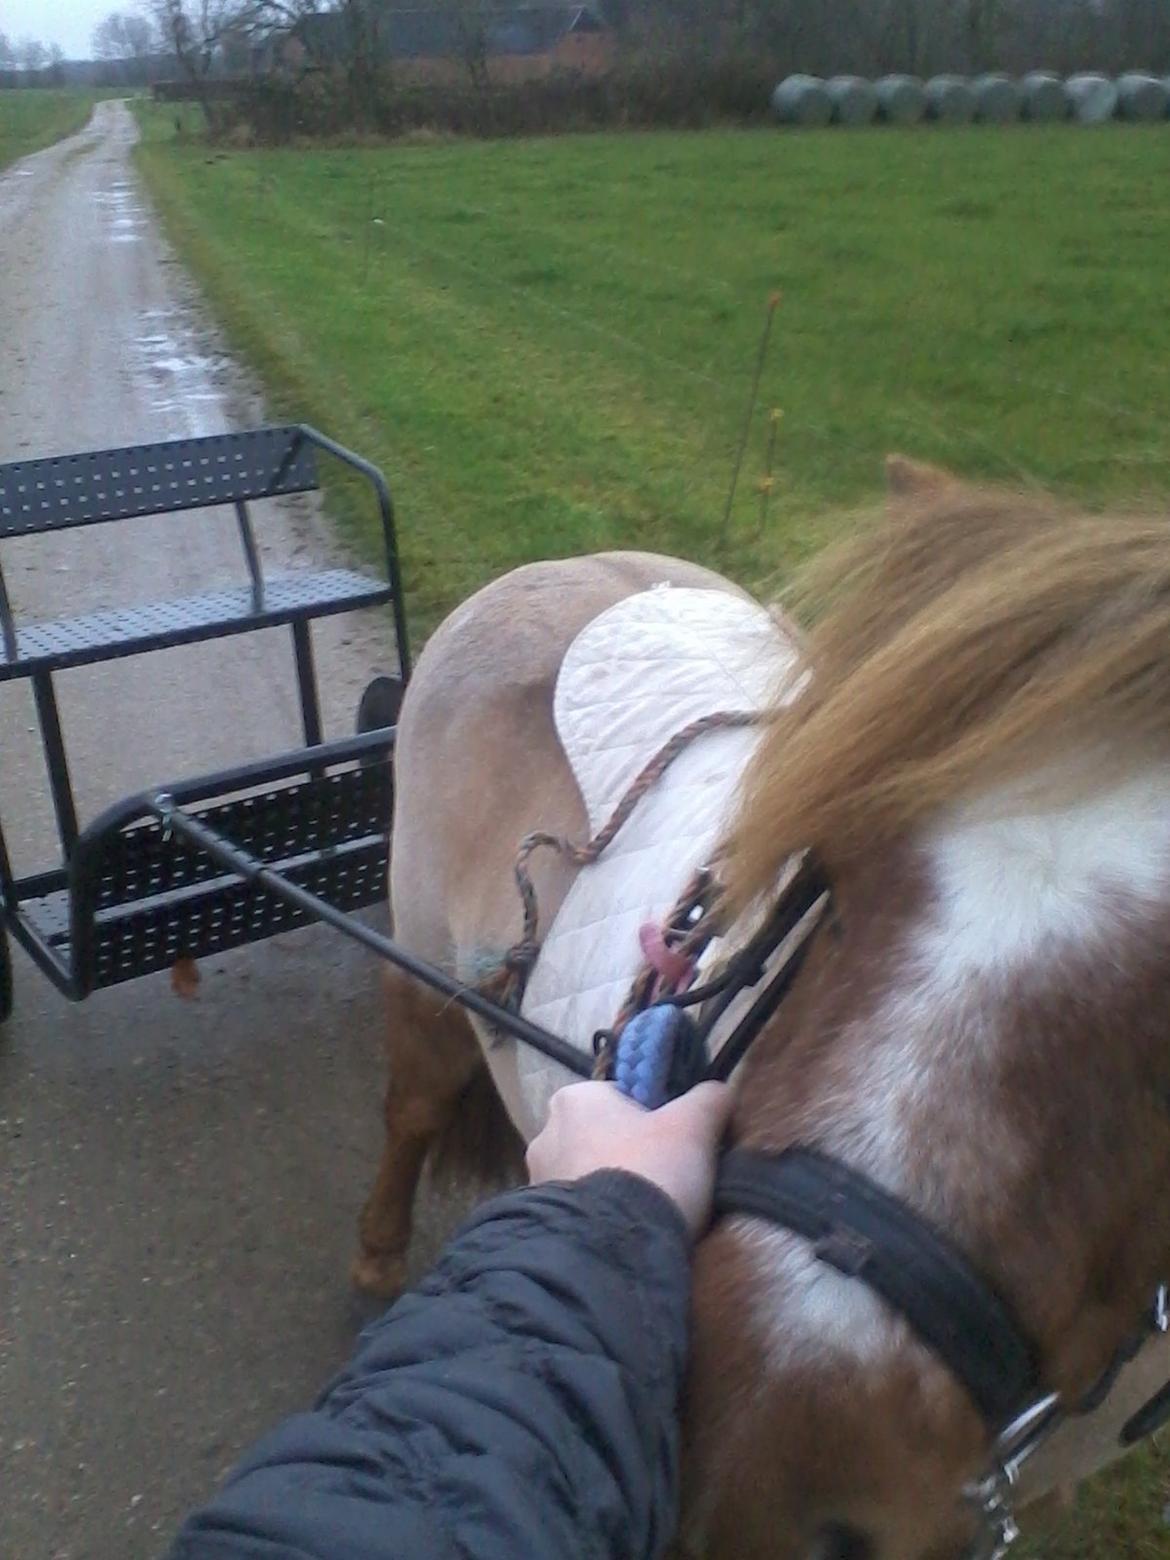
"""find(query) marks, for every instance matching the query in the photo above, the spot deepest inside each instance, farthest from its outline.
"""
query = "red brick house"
(508, 43)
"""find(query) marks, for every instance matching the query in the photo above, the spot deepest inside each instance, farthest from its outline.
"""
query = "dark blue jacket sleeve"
(521, 1402)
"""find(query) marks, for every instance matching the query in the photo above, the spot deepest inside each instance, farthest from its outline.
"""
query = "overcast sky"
(67, 22)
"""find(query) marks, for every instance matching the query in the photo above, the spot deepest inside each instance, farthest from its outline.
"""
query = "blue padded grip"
(654, 1060)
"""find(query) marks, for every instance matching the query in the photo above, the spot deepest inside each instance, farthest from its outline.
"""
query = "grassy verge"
(33, 118)
(548, 345)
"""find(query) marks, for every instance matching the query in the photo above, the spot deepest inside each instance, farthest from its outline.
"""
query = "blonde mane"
(972, 634)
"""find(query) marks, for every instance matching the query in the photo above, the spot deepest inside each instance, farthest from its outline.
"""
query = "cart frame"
(128, 896)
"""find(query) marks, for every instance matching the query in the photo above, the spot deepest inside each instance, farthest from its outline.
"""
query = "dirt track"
(178, 1180)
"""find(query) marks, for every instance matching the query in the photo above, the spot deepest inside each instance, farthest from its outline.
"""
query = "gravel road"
(179, 1180)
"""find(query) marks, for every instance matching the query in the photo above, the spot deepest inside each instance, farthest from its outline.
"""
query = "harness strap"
(866, 1233)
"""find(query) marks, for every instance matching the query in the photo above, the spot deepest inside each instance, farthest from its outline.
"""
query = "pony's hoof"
(379, 1274)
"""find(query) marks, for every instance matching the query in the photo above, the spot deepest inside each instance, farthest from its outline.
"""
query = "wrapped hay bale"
(1093, 98)
(950, 100)
(901, 99)
(1044, 99)
(853, 98)
(1141, 97)
(802, 100)
(997, 99)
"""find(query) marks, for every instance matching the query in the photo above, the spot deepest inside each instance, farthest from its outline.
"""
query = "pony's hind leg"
(433, 1055)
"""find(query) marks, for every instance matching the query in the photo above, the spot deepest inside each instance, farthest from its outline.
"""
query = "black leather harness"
(867, 1234)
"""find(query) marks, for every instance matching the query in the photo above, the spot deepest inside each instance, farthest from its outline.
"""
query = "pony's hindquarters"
(478, 765)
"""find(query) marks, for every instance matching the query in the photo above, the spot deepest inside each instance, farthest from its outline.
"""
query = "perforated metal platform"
(289, 821)
(103, 636)
(150, 479)
(141, 898)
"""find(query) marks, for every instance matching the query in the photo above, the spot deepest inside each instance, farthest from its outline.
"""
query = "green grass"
(35, 117)
(548, 346)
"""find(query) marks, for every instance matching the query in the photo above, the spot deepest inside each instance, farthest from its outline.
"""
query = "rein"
(507, 986)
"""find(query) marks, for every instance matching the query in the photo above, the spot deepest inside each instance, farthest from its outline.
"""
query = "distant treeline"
(920, 37)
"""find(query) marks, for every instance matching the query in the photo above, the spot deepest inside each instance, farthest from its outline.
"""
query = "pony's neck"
(1015, 880)
(986, 1038)
(1011, 928)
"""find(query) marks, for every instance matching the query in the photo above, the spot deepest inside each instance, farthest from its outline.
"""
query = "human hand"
(594, 1126)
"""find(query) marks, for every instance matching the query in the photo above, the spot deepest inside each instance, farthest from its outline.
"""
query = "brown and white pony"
(982, 762)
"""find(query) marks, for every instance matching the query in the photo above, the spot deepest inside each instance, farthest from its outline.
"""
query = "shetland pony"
(980, 762)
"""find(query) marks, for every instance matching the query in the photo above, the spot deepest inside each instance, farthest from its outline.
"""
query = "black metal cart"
(129, 894)
(205, 865)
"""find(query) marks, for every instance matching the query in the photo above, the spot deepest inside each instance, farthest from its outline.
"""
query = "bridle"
(866, 1233)
(869, 1235)
(862, 1231)
(854, 1225)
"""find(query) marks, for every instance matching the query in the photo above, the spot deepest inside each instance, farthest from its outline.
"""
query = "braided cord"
(507, 984)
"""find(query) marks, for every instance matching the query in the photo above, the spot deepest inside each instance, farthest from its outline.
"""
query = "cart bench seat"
(127, 895)
(104, 635)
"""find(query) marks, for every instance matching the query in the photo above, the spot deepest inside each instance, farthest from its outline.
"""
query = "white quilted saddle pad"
(632, 678)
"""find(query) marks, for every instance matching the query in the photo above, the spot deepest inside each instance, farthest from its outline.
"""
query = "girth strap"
(866, 1233)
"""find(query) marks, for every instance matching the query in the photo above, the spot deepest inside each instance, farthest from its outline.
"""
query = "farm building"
(510, 43)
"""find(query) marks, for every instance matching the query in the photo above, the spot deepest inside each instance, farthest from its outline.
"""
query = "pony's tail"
(479, 1142)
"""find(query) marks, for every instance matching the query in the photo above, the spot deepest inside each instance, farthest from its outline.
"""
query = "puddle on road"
(173, 374)
(126, 218)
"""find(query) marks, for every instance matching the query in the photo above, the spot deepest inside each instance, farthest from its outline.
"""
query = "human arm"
(522, 1400)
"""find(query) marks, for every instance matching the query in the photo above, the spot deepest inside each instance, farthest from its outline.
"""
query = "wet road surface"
(179, 1180)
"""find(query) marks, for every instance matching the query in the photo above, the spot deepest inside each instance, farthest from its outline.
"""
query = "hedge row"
(683, 92)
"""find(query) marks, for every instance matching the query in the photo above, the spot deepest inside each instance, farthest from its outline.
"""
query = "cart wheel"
(5, 978)
(379, 704)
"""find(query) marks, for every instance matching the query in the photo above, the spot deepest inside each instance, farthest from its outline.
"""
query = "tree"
(201, 34)
(123, 36)
(470, 24)
(32, 55)
(7, 53)
(193, 30)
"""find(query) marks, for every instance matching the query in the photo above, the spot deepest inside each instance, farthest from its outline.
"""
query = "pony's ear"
(906, 478)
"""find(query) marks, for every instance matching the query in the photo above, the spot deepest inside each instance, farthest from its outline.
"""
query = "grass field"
(30, 119)
(548, 345)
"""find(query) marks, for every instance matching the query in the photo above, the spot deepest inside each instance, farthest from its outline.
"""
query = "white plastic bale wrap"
(997, 99)
(1141, 97)
(853, 98)
(1045, 100)
(802, 100)
(1093, 98)
(901, 99)
(950, 100)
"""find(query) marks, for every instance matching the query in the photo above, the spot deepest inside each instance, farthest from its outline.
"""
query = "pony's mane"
(968, 636)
